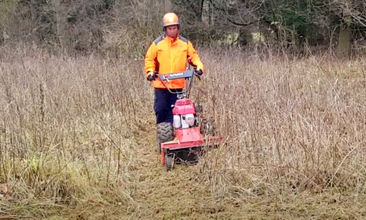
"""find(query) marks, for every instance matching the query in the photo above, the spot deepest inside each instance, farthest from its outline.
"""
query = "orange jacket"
(166, 56)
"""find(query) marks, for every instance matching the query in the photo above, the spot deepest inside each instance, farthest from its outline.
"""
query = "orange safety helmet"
(170, 19)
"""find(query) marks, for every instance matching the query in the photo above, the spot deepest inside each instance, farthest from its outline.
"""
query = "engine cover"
(183, 107)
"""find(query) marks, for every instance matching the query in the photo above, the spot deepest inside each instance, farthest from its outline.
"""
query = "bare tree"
(350, 13)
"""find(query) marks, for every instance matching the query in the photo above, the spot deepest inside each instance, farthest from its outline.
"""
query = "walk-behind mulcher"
(185, 140)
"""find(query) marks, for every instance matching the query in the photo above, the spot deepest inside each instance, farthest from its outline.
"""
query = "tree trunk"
(199, 11)
(60, 22)
(210, 12)
(167, 5)
(344, 37)
(244, 37)
(344, 41)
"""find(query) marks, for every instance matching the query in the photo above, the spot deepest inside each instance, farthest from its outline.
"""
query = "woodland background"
(120, 26)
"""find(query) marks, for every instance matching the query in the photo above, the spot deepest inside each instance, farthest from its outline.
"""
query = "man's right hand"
(151, 76)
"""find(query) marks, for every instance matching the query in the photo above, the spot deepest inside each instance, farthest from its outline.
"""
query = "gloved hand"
(198, 71)
(151, 76)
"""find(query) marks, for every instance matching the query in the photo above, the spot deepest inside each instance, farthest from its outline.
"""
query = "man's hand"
(198, 71)
(151, 76)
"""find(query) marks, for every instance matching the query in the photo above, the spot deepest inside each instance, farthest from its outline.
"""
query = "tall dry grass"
(67, 132)
(77, 139)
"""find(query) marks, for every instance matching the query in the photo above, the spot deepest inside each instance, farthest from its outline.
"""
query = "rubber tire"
(164, 133)
(168, 162)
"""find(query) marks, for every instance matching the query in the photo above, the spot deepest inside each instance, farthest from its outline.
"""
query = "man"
(168, 54)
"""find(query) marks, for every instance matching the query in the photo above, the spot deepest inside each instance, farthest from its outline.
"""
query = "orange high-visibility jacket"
(166, 56)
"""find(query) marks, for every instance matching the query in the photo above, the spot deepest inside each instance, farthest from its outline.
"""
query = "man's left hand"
(199, 71)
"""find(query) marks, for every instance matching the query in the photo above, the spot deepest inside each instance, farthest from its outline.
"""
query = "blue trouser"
(163, 105)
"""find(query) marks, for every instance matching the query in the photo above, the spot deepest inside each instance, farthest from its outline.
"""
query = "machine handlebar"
(178, 75)
(188, 75)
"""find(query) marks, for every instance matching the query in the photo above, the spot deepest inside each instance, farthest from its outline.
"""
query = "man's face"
(172, 31)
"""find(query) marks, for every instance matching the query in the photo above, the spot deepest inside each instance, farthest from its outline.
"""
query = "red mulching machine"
(185, 139)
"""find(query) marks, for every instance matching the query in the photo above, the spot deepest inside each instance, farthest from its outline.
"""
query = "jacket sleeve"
(196, 60)
(150, 58)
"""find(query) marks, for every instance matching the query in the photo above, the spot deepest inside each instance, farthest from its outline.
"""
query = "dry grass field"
(77, 140)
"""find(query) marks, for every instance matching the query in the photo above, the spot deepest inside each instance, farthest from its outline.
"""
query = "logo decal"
(176, 74)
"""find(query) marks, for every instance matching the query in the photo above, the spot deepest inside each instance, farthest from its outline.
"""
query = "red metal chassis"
(188, 138)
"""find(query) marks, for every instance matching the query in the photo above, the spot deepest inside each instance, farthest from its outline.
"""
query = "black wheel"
(169, 161)
(164, 134)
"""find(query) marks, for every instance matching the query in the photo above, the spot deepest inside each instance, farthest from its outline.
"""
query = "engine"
(184, 114)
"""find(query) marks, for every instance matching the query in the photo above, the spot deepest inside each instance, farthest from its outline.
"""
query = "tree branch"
(240, 24)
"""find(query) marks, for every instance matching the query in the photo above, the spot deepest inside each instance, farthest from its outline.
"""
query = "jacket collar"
(172, 40)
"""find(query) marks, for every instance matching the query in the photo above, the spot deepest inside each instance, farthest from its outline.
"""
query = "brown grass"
(77, 140)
